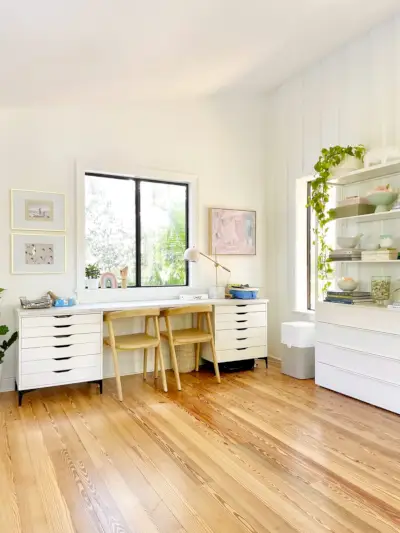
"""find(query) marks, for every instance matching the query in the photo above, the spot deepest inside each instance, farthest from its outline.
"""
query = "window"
(311, 259)
(138, 223)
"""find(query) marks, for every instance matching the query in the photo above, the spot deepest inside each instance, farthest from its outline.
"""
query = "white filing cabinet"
(240, 330)
(59, 349)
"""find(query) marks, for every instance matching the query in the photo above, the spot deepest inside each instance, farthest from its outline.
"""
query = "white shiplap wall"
(350, 97)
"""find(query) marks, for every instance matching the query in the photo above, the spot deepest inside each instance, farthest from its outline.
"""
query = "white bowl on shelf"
(348, 284)
(348, 242)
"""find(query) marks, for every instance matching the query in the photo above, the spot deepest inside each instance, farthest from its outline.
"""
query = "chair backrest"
(187, 309)
(131, 313)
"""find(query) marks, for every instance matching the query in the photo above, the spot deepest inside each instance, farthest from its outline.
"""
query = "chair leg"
(198, 346)
(162, 367)
(156, 358)
(117, 374)
(145, 352)
(214, 354)
(173, 353)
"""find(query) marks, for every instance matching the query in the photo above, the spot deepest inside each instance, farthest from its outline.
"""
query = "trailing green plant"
(5, 345)
(92, 271)
(319, 198)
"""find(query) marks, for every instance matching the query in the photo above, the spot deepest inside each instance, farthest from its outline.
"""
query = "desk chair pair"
(148, 340)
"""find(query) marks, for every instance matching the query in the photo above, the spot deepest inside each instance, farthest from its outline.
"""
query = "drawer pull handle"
(63, 326)
(63, 346)
(61, 371)
(62, 316)
(242, 339)
(241, 305)
(61, 358)
(238, 349)
(244, 313)
(61, 336)
(241, 329)
(241, 320)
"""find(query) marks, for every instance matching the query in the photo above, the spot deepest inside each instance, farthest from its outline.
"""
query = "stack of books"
(347, 297)
(345, 255)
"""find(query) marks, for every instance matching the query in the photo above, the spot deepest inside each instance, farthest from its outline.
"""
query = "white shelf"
(368, 262)
(367, 174)
(372, 217)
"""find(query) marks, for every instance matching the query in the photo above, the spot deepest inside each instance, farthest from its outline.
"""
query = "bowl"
(348, 242)
(347, 284)
(382, 200)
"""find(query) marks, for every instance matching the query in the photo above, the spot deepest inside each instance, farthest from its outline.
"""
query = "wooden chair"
(136, 341)
(179, 337)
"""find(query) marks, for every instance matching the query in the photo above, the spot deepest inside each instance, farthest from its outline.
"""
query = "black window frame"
(310, 240)
(138, 233)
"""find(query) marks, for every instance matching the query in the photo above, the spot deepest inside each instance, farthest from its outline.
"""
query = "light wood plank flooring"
(259, 453)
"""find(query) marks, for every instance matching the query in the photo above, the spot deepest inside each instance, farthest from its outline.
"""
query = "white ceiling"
(93, 50)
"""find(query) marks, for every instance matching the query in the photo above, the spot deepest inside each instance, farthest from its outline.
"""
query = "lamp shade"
(192, 255)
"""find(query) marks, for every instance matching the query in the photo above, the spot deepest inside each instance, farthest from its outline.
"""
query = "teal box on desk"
(64, 302)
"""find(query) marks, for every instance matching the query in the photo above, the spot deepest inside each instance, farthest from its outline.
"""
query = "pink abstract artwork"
(232, 232)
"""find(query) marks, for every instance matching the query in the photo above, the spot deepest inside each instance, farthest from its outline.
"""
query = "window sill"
(134, 294)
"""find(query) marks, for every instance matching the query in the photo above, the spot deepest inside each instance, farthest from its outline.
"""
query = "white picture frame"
(37, 211)
(38, 253)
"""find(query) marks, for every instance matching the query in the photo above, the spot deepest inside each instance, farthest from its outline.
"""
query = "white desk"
(64, 345)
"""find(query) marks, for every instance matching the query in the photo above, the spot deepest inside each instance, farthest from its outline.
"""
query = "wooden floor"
(260, 452)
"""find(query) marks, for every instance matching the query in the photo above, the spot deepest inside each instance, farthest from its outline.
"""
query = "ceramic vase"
(93, 283)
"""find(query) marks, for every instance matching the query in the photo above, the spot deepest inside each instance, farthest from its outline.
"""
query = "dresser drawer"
(374, 342)
(64, 350)
(65, 363)
(238, 354)
(61, 320)
(49, 379)
(234, 321)
(227, 339)
(51, 331)
(239, 309)
(59, 340)
(362, 363)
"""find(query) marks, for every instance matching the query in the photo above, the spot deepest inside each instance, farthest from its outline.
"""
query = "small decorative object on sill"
(190, 297)
(92, 273)
(108, 281)
(124, 277)
(40, 303)
(380, 289)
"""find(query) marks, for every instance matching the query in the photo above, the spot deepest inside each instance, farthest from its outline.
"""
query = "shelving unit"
(358, 346)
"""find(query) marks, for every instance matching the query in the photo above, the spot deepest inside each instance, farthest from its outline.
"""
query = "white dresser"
(240, 331)
(58, 349)
(60, 346)
(358, 353)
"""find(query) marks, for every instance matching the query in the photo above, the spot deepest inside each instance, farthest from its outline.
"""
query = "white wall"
(223, 143)
(350, 97)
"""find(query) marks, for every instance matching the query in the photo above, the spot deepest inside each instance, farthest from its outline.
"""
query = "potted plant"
(329, 160)
(5, 345)
(92, 276)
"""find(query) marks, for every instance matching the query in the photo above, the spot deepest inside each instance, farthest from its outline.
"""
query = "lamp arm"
(215, 262)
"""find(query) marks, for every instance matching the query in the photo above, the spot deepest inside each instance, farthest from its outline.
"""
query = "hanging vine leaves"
(319, 198)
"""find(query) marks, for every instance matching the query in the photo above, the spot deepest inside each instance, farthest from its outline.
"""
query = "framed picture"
(38, 253)
(232, 232)
(37, 211)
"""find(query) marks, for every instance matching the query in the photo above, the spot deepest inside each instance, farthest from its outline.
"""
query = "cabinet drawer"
(368, 390)
(64, 350)
(374, 342)
(239, 308)
(234, 321)
(49, 379)
(65, 363)
(51, 331)
(239, 354)
(62, 339)
(365, 364)
(60, 320)
(227, 339)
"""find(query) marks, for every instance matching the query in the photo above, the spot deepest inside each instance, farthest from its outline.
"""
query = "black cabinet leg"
(99, 382)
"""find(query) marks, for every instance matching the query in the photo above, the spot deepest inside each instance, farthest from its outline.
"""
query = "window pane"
(110, 224)
(163, 233)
